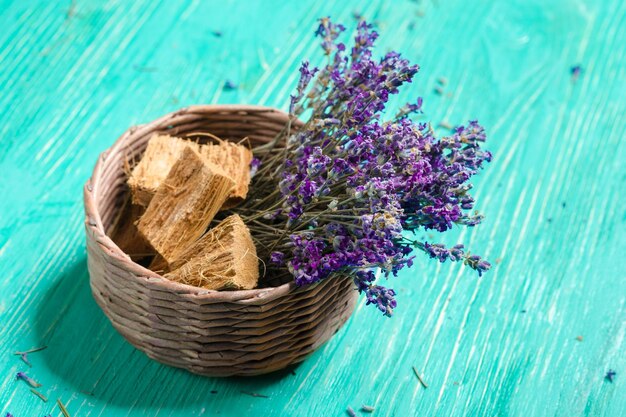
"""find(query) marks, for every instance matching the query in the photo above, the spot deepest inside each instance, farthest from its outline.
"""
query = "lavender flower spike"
(455, 253)
(328, 31)
(381, 297)
(28, 380)
(306, 75)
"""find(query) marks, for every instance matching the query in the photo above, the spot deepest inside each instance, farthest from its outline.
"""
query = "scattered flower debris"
(217, 33)
(367, 408)
(419, 378)
(28, 380)
(230, 85)
(456, 383)
(350, 412)
(71, 11)
(575, 71)
(610, 375)
(445, 125)
(9, 414)
(438, 90)
(579, 338)
(563, 204)
(442, 81)
(33, 350)
(498, 260)
(254, 394)
(39, 394)
(357, 15)
(411, 25)
(523, 310)
(24, 357)
(62, 407)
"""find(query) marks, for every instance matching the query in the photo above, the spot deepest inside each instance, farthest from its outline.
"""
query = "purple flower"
(381, 297)
(440, 252)
(255, 164)
(410, 108)
(364, 40)
(477, 263)
(456, 253)
(27, 379)
(348, 188)
(328, 31)
(306, 74)
(277, 258)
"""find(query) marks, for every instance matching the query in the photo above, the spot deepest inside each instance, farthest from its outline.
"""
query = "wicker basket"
(206, 332)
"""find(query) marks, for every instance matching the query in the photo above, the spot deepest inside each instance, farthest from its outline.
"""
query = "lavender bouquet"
(346, 192)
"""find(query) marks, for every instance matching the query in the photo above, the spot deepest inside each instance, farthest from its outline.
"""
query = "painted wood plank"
(74, 76)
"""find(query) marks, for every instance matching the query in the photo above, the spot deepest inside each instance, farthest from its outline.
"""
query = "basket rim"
(93, 220)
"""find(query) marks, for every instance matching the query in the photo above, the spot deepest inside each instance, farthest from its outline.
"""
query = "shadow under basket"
(213, 333)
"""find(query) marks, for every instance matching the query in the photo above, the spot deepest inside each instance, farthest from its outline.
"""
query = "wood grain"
(75, 75)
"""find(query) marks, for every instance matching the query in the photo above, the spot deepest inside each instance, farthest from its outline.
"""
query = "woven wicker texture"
(211, 333)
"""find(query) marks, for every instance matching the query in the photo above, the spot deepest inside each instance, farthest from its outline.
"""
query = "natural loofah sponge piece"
(161, 154)
(235, 160)
(223, 259)
(184, 204)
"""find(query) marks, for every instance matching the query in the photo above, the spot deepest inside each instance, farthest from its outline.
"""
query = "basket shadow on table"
(93, 359)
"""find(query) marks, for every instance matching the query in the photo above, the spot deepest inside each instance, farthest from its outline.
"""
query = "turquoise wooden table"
(535, 336)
